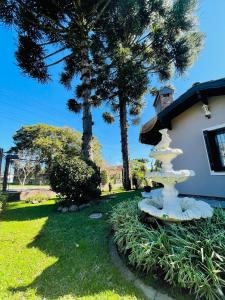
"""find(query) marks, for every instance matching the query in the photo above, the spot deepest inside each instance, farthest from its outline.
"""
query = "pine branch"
(47, 17)
(47, 43)
(59, 61)
(102, 11)
(37, 23)
(53, 53)
(143, 38)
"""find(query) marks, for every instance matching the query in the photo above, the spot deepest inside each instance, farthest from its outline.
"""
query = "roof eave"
(195, 94)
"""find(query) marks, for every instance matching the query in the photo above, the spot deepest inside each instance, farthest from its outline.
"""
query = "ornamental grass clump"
(187, 255)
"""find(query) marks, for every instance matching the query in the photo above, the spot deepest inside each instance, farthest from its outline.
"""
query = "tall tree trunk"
(87, 151)
(124, 144)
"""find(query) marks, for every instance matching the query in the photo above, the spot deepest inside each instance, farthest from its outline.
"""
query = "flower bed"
(188, 255)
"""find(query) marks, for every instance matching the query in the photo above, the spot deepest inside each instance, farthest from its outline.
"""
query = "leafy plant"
(188, 255)
(138, 171)
(75, 179)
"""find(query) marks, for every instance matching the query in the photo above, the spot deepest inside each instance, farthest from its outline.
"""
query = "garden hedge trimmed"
(188, 255)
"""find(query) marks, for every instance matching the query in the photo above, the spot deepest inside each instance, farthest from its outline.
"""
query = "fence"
(21, 173)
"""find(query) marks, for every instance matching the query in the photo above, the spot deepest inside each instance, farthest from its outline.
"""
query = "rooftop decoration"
(165, 203)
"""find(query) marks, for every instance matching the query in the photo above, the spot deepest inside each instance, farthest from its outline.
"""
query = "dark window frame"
(213, 150)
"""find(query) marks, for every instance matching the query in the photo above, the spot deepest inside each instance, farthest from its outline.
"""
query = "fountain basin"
(166, 154)
(171, 177)
(184, 209)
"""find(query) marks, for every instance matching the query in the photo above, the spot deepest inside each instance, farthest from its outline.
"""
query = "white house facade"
(197, 125)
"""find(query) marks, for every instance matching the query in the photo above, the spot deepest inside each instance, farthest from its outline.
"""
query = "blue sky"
(23, 101)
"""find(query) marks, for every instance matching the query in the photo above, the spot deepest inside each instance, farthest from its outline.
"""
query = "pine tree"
(52, 32)
(144, 38)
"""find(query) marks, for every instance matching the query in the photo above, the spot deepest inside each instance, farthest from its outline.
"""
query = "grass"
(48, 255)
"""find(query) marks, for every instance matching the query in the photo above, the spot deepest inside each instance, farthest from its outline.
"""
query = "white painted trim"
(209, 129)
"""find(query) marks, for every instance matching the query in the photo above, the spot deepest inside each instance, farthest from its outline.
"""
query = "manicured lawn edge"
(149, 292)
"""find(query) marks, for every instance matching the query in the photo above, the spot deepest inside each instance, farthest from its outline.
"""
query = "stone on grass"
(73, 207)
(96, 216)
(34, 201)
(82, 206)
(59, 208)
(64, 209)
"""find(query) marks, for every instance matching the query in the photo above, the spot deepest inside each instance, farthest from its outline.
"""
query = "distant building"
(115, 174)
(196, 123)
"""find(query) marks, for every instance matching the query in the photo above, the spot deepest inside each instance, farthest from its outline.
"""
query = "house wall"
(187, 134)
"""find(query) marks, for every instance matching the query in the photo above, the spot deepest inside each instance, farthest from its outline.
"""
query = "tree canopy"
(144, 38)
(49, 142)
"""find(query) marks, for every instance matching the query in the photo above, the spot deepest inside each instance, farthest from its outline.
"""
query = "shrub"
(189, 255)
(3, 201)
(38, 198)
(75, 179)
(136, 180)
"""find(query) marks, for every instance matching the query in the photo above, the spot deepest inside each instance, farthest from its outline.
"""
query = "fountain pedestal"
(166, 204)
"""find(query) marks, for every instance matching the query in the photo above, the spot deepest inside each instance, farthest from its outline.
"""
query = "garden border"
(149, 292)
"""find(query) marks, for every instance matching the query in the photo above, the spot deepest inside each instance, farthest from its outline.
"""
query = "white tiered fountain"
(165, 203)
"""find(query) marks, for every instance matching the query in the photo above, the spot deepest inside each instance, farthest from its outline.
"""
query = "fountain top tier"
(165, 142)
(165, 154)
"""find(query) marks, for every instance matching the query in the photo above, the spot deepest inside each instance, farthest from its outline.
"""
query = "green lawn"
(48, 255)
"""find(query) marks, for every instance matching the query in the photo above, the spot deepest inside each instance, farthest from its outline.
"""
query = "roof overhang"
(200, 92)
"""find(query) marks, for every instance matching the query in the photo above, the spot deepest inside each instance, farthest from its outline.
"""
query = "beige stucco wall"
(187, 134)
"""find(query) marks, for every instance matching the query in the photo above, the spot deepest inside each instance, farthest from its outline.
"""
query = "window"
(215, 144)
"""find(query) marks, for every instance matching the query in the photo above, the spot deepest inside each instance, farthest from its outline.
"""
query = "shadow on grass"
(80, 245)
(26, 213)
(32, 212)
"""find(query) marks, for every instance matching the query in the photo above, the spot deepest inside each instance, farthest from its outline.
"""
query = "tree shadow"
(26, 213)
(80, 245)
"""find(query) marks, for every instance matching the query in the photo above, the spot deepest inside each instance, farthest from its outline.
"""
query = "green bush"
(3, 201)
(136, 180)
(188, 255)
(75, 180)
